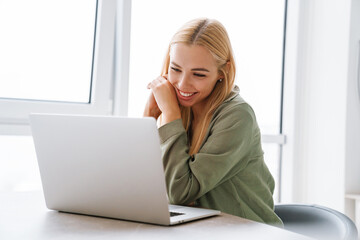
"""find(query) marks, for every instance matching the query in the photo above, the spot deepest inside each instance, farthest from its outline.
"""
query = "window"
(47, 57)
(256, 30)
(53, 60)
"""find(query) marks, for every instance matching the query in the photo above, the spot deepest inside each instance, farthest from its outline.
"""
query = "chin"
(186, 104)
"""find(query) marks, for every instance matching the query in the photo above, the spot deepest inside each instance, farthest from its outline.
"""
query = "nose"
(184, 82)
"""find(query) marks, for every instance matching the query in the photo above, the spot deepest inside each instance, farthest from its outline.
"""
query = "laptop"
(105, 166)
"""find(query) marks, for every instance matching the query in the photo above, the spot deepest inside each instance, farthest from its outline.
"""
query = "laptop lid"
(101, 165)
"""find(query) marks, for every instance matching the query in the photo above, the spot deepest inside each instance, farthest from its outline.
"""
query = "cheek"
(171, 78)
(214, 81)
(208, 86)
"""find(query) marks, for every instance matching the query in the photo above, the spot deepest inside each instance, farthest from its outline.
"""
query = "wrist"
(151, 112)
(169, 117)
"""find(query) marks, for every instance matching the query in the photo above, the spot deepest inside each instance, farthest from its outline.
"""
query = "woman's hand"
(163, 100)
(151, 108)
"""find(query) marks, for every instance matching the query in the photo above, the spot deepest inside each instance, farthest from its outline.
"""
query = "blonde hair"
(212, 35)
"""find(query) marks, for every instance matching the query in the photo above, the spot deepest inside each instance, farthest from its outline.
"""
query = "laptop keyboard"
(173, 214)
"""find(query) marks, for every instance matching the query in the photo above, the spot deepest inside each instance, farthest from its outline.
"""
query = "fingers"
(157, 81)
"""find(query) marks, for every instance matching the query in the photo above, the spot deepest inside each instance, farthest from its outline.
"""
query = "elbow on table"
(183, 190)
(179, 198)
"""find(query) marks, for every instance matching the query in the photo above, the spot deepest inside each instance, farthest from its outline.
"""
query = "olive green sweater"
(228, 173)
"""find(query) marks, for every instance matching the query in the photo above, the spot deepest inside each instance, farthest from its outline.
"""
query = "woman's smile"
(187, 96)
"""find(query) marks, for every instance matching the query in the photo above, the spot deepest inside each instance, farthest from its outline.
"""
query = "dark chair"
(316, 221)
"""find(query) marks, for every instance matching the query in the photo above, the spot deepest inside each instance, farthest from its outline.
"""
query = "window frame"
(290, 122)
(14, 114)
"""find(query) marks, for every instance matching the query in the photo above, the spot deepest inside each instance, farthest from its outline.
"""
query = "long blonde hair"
(212, 35)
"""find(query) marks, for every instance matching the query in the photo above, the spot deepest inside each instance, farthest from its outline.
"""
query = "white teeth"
(186, 94)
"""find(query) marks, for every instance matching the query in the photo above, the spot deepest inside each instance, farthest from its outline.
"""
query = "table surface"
(23, 215)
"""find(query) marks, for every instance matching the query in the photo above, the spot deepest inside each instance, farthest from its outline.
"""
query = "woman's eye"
(199, 75)
(175, 69)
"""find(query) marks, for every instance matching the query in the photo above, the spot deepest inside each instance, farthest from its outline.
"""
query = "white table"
(25, 216)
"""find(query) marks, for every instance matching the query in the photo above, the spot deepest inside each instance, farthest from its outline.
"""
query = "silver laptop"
(105, 166)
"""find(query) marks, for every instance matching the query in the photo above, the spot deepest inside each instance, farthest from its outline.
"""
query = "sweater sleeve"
(224, 153)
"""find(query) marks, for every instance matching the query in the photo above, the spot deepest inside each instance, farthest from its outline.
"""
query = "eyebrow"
(194, 69)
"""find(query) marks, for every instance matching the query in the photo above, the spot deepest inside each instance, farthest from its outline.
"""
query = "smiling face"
(193, 73)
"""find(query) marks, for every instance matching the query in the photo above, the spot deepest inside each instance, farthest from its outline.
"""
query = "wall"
(317, 131)
(352, 167)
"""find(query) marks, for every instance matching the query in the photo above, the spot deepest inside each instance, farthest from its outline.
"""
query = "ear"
(227, 67)
(226, 70)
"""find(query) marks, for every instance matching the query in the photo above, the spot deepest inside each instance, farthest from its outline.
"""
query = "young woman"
(210, 139)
